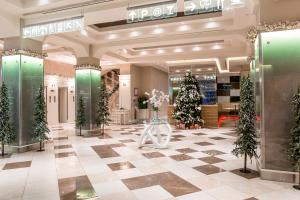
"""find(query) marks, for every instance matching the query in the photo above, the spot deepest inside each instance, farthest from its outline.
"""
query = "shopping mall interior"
(150, 99)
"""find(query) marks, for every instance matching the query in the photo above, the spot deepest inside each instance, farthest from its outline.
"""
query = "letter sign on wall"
(206, 6)
(49, 28)
(152, 12)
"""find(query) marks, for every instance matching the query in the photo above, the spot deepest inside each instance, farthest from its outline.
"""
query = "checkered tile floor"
(198, 165)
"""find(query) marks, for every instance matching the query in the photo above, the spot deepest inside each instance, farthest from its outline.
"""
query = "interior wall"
(59, 75)
(145, 79)
(278, 10)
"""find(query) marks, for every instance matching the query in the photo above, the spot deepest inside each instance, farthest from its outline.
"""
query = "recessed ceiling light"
(112, 36)
(199, 70)
(216, 46)
(210, 69)
(184, 28)
(197, 48)
(177, 71)
(144, 53)
(84, 32)
(212, 25)
(124, 50)
(135, 34)
(178, 50)
(188, 70)
(160, 51)
(158, 31)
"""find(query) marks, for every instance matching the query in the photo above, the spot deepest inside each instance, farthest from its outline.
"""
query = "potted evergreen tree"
(246, 143)
(294, 147)
(80, 117)
(188, 102)
(40, 128)
(102, 118)
(7, 135)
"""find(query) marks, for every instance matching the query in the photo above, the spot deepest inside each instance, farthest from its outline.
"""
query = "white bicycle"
(156, 134)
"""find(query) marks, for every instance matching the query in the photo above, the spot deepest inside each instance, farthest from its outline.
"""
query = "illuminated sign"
(49, 28)
(152, 12)
(206, 6)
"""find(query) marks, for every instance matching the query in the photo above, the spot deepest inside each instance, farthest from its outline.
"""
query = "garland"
(25, 52)
(277, 26)
(87, 66)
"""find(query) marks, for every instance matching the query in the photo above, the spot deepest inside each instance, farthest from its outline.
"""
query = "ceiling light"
(209, 69)
(188, 70)
(199, 70)
(112, 36)
(45, 46)
(216, 47)
(178, 50)
(177, 71)
(184, 28)
(160, 51)
(158, 31)
(84, 32)
(135, 34)
(125, 51)
(212, 25)
(144, 53)
(197, 48)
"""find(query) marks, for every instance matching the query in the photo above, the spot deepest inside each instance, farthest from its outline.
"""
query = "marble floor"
(198, 165)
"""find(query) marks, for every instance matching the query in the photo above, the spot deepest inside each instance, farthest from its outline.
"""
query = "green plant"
(142, 102)
(80, 117)
(294, 147)
(188, 102)
(102, 118)
(7, 135)
(246, 143)
(40, 123)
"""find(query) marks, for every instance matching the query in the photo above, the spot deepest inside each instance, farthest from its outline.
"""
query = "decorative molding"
(87, 66)
(25, 52)
(276, 26)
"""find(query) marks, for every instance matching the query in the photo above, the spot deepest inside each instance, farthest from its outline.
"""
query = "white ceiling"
(155, 43)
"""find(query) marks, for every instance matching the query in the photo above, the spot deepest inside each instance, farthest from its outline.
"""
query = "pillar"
(87, 85)
(23, 73)
(277, 74)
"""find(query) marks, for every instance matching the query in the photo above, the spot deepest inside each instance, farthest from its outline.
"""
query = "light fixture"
(83, 32)
(197, 48)
(135, 34)
(212, 25)
(209, 69)
(160, 51)
(143, 53)
(183, 28)
(177, 71)
(216, 47)
(158, 31)
(124, 51)
(199, 70)
(45, 46)
(112, 36)
(188, 70)
(178, 50)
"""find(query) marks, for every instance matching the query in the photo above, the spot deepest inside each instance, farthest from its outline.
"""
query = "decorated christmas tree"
(7, 135)
(246, 143)
(40, 128)
(102, 118)
(80, 117)
(188, 102)
(294, 149)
